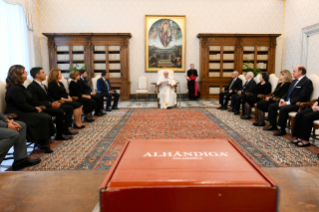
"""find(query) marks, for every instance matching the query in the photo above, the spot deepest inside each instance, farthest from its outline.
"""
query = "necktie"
(291, 89)
(231, 84)
(244, 86)
(107, 85)
(43, 87)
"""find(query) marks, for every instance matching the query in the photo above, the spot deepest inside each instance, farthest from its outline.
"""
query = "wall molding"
(306, 32)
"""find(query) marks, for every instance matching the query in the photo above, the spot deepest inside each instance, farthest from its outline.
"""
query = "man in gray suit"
(14, 134)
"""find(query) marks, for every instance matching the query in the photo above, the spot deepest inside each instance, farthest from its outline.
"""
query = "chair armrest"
(276, 99)
(306, 104)
(263, 96)
(61, 101)
(11, 115)
(248, 93)
(74, 98)
(154, 83)
(43, 107)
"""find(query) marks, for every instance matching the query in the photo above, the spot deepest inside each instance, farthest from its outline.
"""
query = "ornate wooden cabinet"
(99, 51)
(221, 54)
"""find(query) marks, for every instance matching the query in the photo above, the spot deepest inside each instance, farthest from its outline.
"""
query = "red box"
(186, 175)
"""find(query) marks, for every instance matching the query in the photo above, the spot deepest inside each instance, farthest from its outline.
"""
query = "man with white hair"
(167, 94)
(248, 87)
(235, 84)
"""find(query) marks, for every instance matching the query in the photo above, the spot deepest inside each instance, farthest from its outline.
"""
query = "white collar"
(300, 78)
(40, 83)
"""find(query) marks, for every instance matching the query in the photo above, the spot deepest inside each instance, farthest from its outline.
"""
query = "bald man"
(300, 90)
(235, 84)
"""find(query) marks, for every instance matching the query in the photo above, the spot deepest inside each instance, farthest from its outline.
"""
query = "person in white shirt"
(167, 94)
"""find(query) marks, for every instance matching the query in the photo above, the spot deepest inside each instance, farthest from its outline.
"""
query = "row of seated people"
(284, 99)
(37, 104)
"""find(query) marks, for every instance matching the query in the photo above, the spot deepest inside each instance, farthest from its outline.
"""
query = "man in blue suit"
(104, 85)
(300, 90)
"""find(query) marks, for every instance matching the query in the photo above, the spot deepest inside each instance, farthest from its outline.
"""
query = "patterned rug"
(97, 146)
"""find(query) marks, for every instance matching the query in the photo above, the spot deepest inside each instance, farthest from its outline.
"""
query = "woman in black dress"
(264, 87)
(285, 79)
(85, 99)
(191, 76)
(40, 127)
(58, 92)
(303, 125)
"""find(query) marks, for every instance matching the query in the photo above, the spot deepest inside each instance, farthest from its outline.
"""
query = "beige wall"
(300, 14)
(202, 16)
(36, 39)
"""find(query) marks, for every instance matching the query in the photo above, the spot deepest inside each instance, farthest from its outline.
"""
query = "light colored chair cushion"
(141, 91)
(292, 114)
(242, 77)
(65, 83)
(273, 80)
(2, 96)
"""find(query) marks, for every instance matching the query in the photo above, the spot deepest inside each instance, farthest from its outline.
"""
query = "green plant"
(76, 67)
(249, 68)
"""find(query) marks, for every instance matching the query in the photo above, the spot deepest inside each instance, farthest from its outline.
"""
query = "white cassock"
(167, 94)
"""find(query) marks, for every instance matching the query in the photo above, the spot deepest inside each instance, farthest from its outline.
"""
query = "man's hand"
(93, 93)
(86, 96)
(230, 91)
(282, 103)
(315, 107)
(56, 104)
(223, 89)
(239, 92)
(13, 125)
(111, 92)
(267, 98)
(39, 109)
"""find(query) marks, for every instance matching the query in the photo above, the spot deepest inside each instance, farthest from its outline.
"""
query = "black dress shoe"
(220, 108)
(224, 108)
(45, 148)
(115, 108)
(245, 117)
(280, 133)
(63, 138)
(25, 162)
(88, 120)
(70, 132)
(261, 124)
(231, 110)
(98, 114)
(236, 113)
(78, 127)
(108, 110)
(270, 128)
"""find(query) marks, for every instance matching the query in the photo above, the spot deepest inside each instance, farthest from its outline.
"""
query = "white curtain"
(14, 41)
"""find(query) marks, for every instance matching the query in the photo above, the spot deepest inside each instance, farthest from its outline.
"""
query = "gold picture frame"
(165, 42)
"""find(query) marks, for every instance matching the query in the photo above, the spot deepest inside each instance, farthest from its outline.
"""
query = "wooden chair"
(303, 105)
(142, 87)
(27, 82)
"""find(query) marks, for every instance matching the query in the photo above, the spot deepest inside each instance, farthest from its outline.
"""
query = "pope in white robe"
(167, 94)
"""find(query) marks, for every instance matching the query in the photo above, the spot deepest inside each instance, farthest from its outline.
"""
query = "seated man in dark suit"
(14, 134)
(104, 85)
(300, 90)
(62, 112)
(235, 84)
(86, 89)
(236, 99)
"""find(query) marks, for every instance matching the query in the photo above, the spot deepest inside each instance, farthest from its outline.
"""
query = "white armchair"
(142, 87)
(2, 96)
(65, 83)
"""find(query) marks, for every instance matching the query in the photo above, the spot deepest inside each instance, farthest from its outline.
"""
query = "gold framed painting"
(165, 42)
